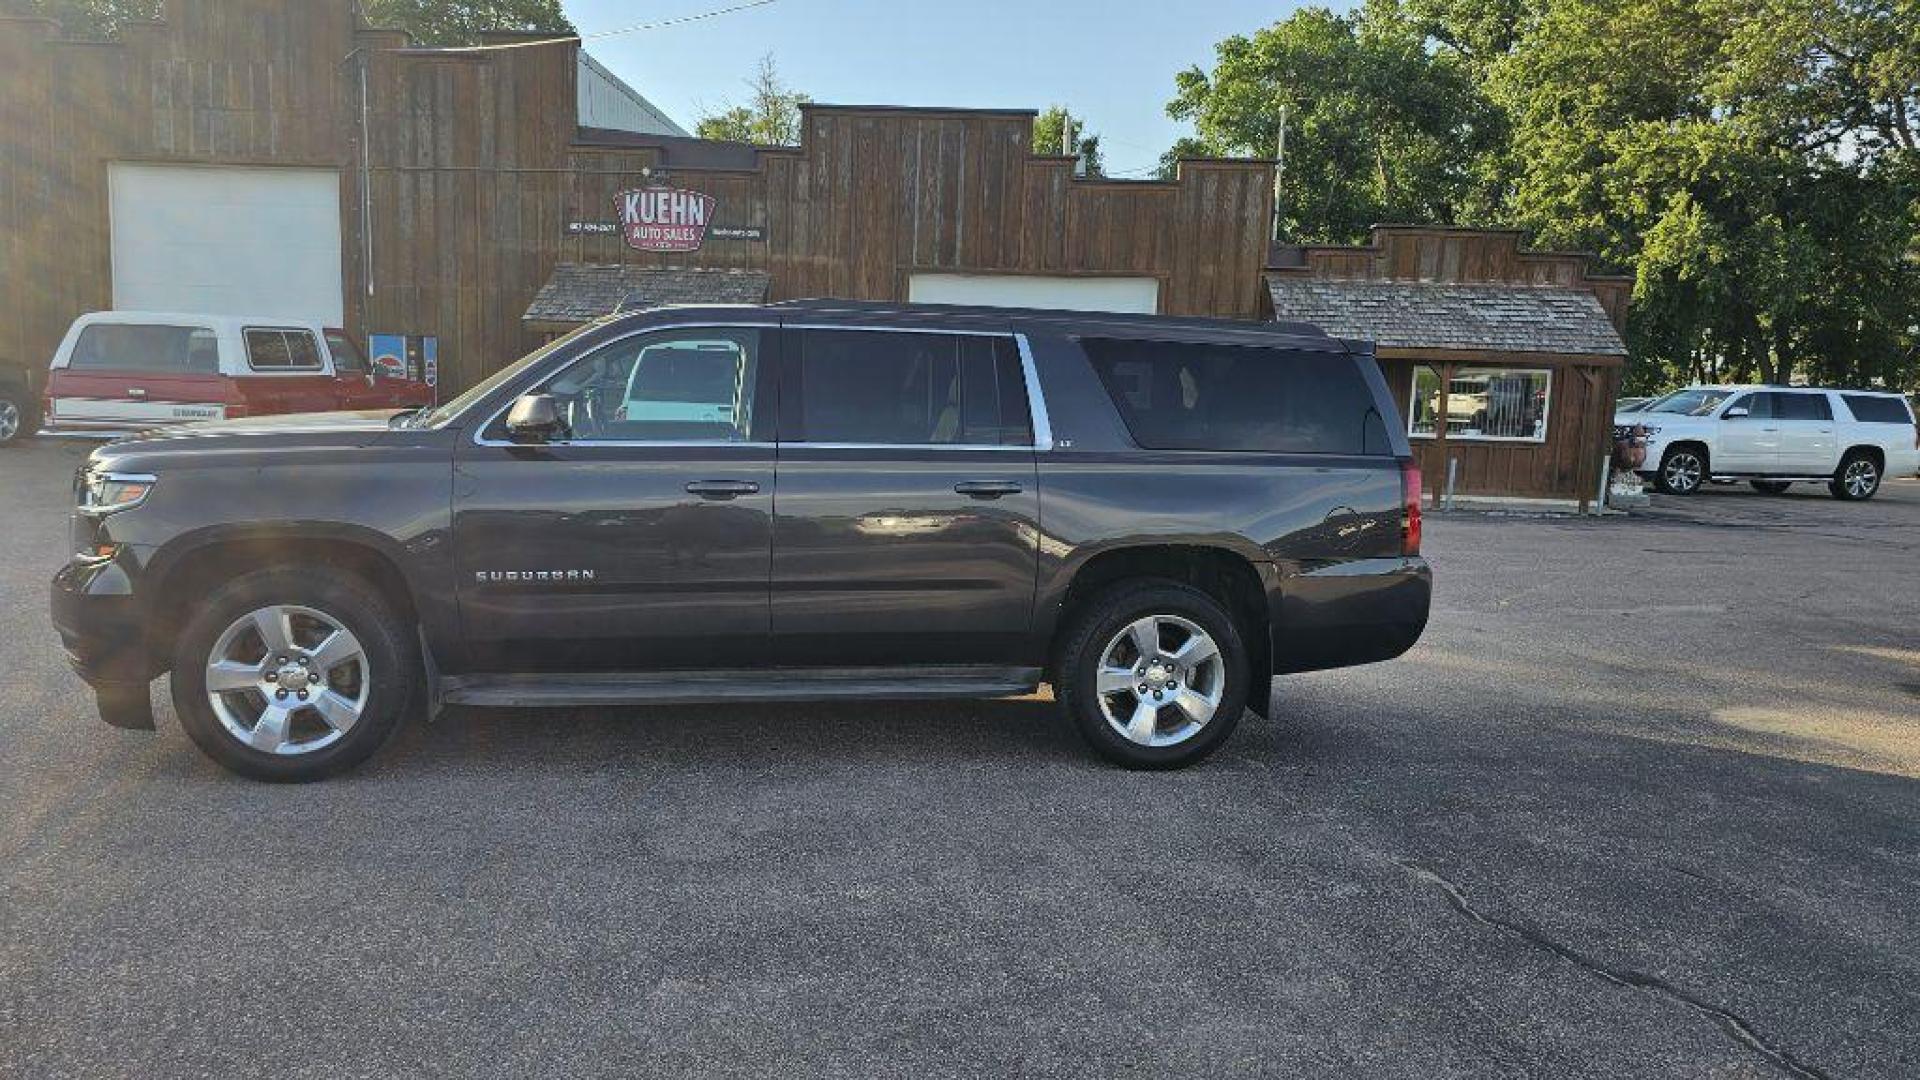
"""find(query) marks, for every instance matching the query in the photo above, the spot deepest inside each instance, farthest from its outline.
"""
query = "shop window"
(1488, 404)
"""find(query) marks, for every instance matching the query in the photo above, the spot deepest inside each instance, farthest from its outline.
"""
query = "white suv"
(1774, 436)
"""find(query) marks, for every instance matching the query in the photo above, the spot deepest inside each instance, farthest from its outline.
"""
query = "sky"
(1112, 64)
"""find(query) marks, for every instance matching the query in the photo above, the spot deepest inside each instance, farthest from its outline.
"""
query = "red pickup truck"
(122, 371)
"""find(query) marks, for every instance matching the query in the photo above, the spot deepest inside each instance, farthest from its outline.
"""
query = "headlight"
(109, 493)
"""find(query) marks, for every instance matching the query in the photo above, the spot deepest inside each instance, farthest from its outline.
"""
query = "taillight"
(1410, 508)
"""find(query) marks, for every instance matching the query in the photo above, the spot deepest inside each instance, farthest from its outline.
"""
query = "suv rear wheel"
(1154, 674)
(1857, 478)
(281, 675)
(1682, 470)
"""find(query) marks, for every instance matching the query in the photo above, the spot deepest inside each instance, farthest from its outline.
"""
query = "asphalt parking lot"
(1643, 803)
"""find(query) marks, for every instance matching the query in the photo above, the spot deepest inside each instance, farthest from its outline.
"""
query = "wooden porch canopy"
(576, 293)
(1423, 319)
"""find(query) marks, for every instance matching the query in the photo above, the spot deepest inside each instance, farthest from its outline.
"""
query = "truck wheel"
(286, 676)
(1857, 478)
(1682, 471)
(1771, 487)
(1154, 674)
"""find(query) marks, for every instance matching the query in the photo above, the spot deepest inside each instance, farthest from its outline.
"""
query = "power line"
(583, 38)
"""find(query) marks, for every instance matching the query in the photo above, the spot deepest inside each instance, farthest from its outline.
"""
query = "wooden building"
(437, 192)
(1505, 362)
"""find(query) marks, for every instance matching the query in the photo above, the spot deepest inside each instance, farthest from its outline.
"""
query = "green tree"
(1748, 162)
(1380, 127)
(85, 18)
(772, 118)
(460, 22)
(1047, 132)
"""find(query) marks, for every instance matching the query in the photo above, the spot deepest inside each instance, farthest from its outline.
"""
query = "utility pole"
(1279, 173)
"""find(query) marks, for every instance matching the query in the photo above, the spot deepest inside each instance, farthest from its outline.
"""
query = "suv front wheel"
(282, 675)
(1154, 674)
(1682, 471)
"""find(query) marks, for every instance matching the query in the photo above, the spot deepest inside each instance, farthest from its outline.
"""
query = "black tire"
(17, 417)
(1683, 470)
(1771, 487)
(1857, 478)
(1094, 626)
(387, 643)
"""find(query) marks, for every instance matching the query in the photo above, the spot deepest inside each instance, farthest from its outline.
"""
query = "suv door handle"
(987, 489)
(719, 490)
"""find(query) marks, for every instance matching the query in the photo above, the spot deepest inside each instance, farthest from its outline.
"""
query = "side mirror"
(535, 418)
(1738, 411)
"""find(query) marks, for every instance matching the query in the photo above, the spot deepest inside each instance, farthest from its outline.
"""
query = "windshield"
(1695, 402)
(441, 414)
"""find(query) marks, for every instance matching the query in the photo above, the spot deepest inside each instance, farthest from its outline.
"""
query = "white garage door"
(227, 241)
(1138, 295)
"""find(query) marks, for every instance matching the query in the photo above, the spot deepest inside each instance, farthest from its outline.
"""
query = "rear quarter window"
(282, 350)
(1192, 396)
(1872, 409)
(147, 348)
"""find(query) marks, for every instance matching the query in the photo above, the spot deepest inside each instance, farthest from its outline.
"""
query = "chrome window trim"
(1030, 376)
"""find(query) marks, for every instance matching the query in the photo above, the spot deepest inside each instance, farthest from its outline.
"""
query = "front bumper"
(102, 626)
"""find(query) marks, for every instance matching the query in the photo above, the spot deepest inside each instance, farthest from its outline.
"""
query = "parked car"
(1155, 515)
(19, 405)
(1776, 436)
(123, 371)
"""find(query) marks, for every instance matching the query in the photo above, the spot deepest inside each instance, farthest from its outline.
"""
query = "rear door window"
(1873, 409)
(893, 388)
(1802, 407)
(1191, 396)
(148, 349)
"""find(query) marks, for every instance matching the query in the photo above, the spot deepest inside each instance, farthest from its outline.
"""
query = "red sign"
(663, 218)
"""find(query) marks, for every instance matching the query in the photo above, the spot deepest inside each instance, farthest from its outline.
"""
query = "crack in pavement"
(1734, 1025)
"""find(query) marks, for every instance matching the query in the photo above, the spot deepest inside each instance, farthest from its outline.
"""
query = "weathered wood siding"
(475, 172)
(875, 195)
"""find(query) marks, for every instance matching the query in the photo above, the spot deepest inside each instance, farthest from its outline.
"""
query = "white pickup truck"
(1776, 436)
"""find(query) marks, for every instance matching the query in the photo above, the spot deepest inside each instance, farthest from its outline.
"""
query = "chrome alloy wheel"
(288, 680)
(1683, 471)
(1860, 478)
(9, 420)
(1160, 680)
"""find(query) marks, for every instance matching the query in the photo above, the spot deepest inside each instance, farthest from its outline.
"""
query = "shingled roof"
(1447, 315)
(577, 293)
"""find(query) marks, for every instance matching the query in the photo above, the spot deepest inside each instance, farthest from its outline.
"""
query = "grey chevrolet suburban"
(816, 500)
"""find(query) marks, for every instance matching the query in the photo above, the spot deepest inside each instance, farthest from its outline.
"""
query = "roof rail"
(880, 307)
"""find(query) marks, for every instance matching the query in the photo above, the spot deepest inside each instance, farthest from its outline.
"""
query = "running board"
(757, 684)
